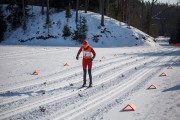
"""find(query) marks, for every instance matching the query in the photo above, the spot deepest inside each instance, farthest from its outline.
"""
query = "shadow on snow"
(177, 87)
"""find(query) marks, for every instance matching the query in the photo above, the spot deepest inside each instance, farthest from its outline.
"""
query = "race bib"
(86, 54)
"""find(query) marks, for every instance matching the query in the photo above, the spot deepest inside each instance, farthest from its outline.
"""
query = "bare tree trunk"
(119, 10)
(24, 16)
(142, 14)
(107, 7)
(77, 8)
(149, 16)
(23, 10)
(86, 5)
(48, 19)
(100, 7)
(123, 10)
(102, 14)
(128, 13)
(47, 11)
(42, 10)
(132, 12)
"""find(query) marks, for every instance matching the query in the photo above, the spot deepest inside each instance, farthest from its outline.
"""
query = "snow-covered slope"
(120, 77)
(114, 33)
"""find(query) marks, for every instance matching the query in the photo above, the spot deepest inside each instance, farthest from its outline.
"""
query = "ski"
(89, 87)
(86, 87)
(82, 87)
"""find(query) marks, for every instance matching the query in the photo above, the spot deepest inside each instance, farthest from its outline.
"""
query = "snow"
(115, 33)
(156, 104)
(122, 72)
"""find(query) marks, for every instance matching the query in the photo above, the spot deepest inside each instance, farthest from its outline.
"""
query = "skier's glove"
(77, 57)
(92, 58)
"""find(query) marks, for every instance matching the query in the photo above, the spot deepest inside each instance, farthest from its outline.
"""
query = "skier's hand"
(77, 57)
(92, 58)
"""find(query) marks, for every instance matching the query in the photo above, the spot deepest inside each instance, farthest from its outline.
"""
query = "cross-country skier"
(86, 61)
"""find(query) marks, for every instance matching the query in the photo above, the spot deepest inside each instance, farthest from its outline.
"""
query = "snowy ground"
(120, 76)
(128, 61)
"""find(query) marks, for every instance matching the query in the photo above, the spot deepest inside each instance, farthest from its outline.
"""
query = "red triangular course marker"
(66, 64)
(36, 72)
(152, 87)
(163, 74)
(130, 107)
(169, 67)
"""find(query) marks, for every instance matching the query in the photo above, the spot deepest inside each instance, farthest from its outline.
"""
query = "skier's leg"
(84, 77)
(90, 77)
(89, 72)
(84, 65)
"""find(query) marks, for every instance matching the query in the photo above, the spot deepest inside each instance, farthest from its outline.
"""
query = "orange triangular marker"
(169, 67)
(152, 87)
(36, 72)
(66, 64)
(130, 107)
(163, 74)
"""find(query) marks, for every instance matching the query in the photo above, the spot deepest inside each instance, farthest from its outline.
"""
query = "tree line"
(154, 18)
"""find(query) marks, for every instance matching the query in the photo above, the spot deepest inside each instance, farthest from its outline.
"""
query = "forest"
(152, 17)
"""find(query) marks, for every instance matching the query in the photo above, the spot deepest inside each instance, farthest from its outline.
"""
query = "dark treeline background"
(154, 18)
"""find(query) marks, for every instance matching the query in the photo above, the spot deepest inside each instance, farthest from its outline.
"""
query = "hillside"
(114, 33)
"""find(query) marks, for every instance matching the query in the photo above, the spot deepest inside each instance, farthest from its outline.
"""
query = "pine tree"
(102, 12)
(47, 13)
(3, 25)
(178, 32)
(42, 9)
(18, 13)
(66, 31)
(175, 35)
(77, 8)
(68, 11)
(81, 30)
(84, 25)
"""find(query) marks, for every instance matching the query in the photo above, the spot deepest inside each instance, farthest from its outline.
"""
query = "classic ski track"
(96, 73)
(39, 103)
(104, 81)
(43, 79)
(106, 96)
(67, 74)
(104, 104)
(11, 99)
(90, 100)
(32, 105)
(61, 84)
(65, 83)
(30, 53)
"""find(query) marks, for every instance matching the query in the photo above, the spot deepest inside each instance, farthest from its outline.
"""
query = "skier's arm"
(77, 56)
(94, 53)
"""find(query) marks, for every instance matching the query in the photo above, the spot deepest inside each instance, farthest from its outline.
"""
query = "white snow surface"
(115, 33)
(122, 72)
